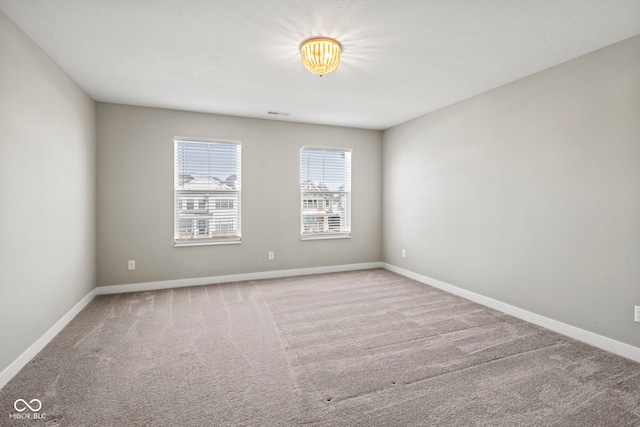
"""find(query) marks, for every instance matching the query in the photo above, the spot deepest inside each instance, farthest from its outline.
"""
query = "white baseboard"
(198, 281)
(608, 344)
(15, 367)
(602, 342)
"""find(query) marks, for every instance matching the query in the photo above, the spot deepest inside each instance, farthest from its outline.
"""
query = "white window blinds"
(206, 192)
(325, 193)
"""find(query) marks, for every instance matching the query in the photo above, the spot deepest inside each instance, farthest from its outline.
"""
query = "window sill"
(325, 236)
(209, 243)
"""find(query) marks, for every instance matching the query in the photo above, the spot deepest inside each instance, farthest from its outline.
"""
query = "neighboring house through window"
(206, 192)
(325, 192)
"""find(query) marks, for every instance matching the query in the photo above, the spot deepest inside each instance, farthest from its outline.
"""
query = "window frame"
(197, 196)
(321, 202)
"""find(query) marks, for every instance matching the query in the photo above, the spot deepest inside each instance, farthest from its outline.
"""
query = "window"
(325, 193)
(206, 192)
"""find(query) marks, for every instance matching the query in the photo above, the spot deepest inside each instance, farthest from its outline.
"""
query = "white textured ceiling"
(401, 59)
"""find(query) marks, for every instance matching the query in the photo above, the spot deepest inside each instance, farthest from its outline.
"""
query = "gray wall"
(135, 196)
(47, 188)
(529, 194)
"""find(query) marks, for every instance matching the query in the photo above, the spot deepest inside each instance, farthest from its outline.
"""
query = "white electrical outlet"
(271, 255)
(404, 253)
(636, 316)
(131, 265)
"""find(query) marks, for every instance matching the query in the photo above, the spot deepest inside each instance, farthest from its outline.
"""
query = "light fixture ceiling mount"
(320, 55)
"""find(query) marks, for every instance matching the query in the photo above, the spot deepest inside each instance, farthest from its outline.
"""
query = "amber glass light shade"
(320, 55)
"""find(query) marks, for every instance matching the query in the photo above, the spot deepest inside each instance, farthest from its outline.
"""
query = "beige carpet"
(364, 348)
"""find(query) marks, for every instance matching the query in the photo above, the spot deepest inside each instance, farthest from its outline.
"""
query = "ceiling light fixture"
(320, 55)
